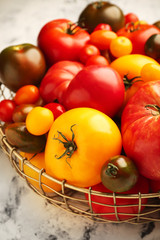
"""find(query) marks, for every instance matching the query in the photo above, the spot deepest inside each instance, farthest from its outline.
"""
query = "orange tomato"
(150, 72)
(39, 120)
(79, 142)
(102, 38)
(33, 176)
(27, 94)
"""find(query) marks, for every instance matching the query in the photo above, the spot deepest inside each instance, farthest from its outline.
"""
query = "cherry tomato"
(131, 17)
(21, 111)
(39, 120)
(120, 46)
(119, 174)
(103, 26)
(87, 51)
(6, 110)
(152, 46)
(150, 72)
(56, 108)
(102, 38)
(27, 94)
(97, 60)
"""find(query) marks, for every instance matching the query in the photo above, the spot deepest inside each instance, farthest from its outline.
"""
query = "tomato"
(104, 206)
(27, 94)
(120, 46)
(131, 17)
(56, 108)
(99, 87)
(97, 60)
(7, 107)
(57, 79)
(78, 144)
(129, 67)
(21, 111)
(157, 24)
(150, 72)
(138, 34)
(102, 38)
(103, 26)
(152, 46)
(39, 120)
(140, 125)
(37, 160)
(20, 65)
(101, 12)
(119, 174)
(61, 39)
(154, 186)
(87, 51)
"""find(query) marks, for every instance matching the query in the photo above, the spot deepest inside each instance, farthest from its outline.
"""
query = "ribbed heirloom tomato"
(78, 144)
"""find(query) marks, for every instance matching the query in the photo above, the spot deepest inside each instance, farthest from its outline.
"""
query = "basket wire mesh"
(72, 198)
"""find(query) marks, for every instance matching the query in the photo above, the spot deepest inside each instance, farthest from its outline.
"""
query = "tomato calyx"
(132, 27)
(73, 28)
(129, 82)
(155, 109)
(98, 4)
(69, 145)
(112, 170)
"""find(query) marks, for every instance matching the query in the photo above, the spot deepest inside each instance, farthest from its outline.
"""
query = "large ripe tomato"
(61, 39)
(78, 144)
(129, 67)
(140, 126)
(57, 79)
(124, 212)
(138, 34)
(99, 87)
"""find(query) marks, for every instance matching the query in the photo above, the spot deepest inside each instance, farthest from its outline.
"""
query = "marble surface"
(24, 214)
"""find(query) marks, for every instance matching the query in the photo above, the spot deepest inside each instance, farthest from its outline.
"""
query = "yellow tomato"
(33, 176)
(79, 143)
(120, 46)
(39, 120)
(150, 72)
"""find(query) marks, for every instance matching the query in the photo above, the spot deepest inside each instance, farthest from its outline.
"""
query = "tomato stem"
(155, 109)
(69, 145)
(112, 170)
(129, 82)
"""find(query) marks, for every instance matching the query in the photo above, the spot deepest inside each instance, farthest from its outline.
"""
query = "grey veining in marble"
(23, 214)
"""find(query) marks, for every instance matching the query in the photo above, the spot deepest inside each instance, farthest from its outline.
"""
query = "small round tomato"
(152, 46)
(39, 120)
(21, 111)
(78, 143)
(6, 110)
(27, 94)
(97, 60)
(120, 46)
(56, 108)
(119, 174)
(150, 72)
(103, 26)
(102, 38)
(131, 17)
(87, 51)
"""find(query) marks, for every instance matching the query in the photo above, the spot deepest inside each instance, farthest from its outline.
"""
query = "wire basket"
(71, 198)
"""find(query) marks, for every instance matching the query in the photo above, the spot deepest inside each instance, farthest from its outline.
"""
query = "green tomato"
(119, 174)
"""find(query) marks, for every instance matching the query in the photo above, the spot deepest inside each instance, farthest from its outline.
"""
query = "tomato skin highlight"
(99, 87)
(96, 137)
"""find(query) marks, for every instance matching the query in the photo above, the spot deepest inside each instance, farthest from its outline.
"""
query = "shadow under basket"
(72, 198)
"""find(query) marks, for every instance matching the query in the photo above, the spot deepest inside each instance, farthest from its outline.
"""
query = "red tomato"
(57, 79)
(97, 60)
(6, 110)
(138, 34)
(61, 39)
(140, 127)
(27, 94)
(56, 108)
(131, 17)
(99, 87)
(103, 26)
(87, 51)
(142, 186)
(154, 186)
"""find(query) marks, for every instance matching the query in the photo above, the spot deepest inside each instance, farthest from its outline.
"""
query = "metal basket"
(71, 198)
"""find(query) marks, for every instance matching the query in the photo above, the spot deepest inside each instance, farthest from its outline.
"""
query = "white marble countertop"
(24, 214)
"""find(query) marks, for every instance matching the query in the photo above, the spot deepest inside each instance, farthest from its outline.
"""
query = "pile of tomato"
(86, 104)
